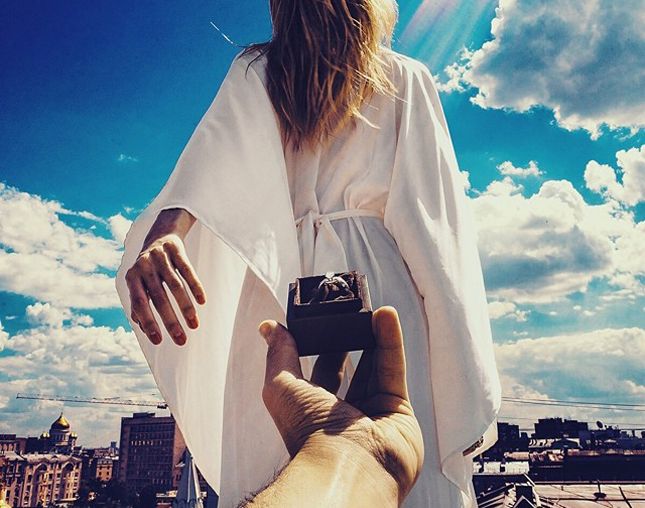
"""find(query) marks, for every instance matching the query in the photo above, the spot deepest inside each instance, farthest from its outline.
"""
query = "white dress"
(385, 199)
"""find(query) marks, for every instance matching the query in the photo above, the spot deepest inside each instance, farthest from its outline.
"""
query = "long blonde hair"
(323, 61)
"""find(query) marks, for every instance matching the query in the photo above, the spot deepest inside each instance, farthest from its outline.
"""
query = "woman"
(324, 150)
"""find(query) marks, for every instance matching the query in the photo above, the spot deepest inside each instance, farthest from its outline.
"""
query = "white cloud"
(504, 187)
(124, 158)
(498, 310)
(47, 316)
(601, 178)
(455, 73)
(72, 359)
(43, 314)
(82, 320)
(44, 258)
(4, 337)
(508, 169)
(539, 249)
(581, 59)
(604, 365)
(465, 176)
(119, 227)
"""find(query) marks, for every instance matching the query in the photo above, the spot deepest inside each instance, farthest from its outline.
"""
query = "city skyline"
(99, 101)
(523, 428)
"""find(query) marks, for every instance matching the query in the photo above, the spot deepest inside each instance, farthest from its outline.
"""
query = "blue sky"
(98, 100)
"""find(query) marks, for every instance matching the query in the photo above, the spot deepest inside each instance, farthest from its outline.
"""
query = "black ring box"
(330, 326)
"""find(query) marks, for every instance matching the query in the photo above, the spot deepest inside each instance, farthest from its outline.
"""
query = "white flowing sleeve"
(429, 216)
(231, 176)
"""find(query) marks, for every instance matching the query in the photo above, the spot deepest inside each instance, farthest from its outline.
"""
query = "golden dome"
(61, 423)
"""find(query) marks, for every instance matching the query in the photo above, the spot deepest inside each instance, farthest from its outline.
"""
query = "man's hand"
(375, 420)
(162, 260)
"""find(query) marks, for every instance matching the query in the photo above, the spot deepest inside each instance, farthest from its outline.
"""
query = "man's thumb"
(282, 355)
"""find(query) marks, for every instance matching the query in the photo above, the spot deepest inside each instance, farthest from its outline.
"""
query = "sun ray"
(437, 30)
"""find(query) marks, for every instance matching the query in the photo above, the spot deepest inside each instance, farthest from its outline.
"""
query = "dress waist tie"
(321, 250)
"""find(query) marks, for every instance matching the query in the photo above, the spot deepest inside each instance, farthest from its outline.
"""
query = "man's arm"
(366, 450)
(342, 475)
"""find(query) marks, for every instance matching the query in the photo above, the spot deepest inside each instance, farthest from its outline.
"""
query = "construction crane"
(114, 401)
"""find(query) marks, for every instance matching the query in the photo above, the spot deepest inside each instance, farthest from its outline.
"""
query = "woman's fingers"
(168, 274)
(187, 272)
(140, 308)
(161, 302)
(164, 261)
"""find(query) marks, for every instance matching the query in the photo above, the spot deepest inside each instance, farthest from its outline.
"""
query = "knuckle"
(269, 396)
(280, 390)
(188, 311)
(171, 246)
(148, 325)
(138, 302)
(174, 284)
(145, 268)
(157, 253)
(157, 294)
(180, 261)
(143, 259)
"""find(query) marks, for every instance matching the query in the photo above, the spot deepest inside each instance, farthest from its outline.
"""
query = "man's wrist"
(330, 471)
(353, 469)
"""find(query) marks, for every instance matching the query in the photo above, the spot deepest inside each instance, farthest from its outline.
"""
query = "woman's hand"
(162, 260)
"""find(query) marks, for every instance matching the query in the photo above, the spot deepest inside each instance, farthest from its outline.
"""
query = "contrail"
(226, 37)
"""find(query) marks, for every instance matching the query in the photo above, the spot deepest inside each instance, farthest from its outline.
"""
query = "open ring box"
(322, 325)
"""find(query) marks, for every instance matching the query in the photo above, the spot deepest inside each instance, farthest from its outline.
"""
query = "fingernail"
(193, 323)
(180, 337)
(266, 329)
(154, 337)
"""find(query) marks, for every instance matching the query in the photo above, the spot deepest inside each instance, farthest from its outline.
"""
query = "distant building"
(59, 439)
(105, 467)
(555, 428)
(576, 465)
(488, 475)
(150, 451)
(100, 463)
(39, 478)
(509, 439)
(189, 491)
(527, 494)
(3, 497)
(12, 443)
(40, 470)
